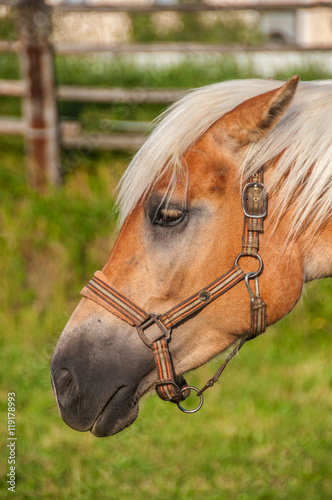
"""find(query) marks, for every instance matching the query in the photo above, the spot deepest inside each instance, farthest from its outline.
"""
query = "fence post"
(40, 106)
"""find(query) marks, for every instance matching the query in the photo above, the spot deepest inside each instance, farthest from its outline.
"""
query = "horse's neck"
(316, 245)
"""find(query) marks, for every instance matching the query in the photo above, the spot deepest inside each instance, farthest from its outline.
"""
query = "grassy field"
(265, 431)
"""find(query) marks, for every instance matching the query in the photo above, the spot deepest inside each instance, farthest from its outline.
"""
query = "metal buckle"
(259, 199)
(153, 319)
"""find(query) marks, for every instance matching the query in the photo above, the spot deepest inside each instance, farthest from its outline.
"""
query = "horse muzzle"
(96, 377)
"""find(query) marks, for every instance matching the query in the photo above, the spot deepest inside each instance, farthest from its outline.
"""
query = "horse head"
(182, 227)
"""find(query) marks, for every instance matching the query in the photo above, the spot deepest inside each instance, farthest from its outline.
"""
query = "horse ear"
(254, 118)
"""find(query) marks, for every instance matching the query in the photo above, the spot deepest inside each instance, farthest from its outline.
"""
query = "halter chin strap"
(155, 329)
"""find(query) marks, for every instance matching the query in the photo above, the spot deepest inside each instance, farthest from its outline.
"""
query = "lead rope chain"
(169, 387)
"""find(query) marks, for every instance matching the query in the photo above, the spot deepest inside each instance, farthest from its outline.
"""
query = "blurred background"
(80, 84)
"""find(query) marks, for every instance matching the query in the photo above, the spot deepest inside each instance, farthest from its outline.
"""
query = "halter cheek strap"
(155, 329)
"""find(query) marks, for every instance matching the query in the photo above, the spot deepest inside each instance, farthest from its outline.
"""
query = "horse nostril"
(64, 386)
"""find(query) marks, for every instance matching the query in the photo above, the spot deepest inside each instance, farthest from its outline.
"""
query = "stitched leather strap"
(258, 317)
(101, 291)
(201, 299)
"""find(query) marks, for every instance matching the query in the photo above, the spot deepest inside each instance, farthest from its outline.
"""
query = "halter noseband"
(155, 329)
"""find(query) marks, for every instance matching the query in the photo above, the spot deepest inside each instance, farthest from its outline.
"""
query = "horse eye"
(168, 217)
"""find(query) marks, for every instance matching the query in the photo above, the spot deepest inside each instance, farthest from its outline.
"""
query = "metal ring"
(190, 387)
(256, 256)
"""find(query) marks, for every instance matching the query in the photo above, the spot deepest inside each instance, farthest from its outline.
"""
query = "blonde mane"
(302, 138)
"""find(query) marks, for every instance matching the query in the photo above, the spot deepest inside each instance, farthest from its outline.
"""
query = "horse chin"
(115, 417)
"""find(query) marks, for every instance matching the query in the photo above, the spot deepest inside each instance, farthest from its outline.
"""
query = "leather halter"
(155, 329)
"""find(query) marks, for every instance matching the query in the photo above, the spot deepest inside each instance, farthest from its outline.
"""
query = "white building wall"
(314, 27)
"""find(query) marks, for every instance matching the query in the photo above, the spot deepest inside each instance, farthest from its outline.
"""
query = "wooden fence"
(40, 125)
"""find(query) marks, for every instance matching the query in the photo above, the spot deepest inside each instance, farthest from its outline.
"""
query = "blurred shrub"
(219, 27)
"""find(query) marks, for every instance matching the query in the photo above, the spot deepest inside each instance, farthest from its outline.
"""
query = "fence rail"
(187, 48)
(18, 88)
(220, 5)
(41, 127)
(167, 47)
(193, 7)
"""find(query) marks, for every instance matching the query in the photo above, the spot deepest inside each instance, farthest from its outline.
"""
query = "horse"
(225, 214)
